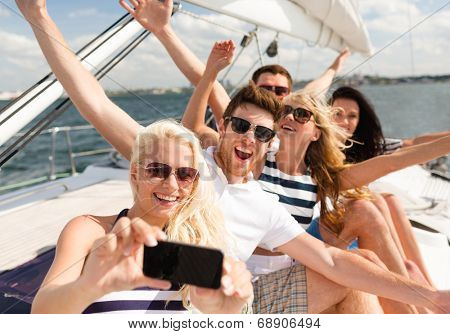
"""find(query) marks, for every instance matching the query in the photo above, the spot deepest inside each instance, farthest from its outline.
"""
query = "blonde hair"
(325, 158)
(197, 220)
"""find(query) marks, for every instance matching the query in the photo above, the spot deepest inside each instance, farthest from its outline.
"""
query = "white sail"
(31, 110)
(327, 23)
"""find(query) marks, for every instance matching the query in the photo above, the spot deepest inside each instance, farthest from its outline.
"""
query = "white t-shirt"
(253, 217)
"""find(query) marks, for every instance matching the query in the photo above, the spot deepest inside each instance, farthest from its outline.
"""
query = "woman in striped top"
(98, 262)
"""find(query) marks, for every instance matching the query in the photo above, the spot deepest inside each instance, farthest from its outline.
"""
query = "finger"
(227, 265)
(122, 229)
(127, 7)
(243, 284)
(105, 245)
(134, 3)
(153, 283)
(144, 233)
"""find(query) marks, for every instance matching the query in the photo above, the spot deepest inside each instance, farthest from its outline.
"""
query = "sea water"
(405, 110)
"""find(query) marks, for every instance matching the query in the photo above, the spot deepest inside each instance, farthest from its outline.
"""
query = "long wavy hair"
(368, 135)
(197, 220)
(325, 158)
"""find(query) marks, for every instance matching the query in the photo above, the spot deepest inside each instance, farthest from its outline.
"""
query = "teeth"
(166, 198)
(243, 150)
(286, 127)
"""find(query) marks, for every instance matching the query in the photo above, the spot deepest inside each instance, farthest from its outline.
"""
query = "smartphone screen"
(184, 264)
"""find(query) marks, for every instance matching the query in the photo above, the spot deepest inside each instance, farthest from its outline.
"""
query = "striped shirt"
(139, 301)
(297, 193)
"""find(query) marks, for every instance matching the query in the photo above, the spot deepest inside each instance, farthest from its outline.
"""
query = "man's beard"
(225, 159)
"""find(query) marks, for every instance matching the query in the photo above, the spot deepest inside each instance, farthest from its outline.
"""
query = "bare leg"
(329, 297)
(381, 204)
(365, 221)
(406, 235)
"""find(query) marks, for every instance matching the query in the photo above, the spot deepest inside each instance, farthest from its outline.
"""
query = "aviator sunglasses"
(301, 115)
(242, 126)
(278, 90)
(159, 171)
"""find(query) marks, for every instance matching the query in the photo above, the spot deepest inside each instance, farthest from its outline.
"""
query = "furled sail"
(327, 23)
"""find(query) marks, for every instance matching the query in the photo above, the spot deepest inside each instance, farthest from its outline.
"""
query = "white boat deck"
(34, 226)
(31, 222)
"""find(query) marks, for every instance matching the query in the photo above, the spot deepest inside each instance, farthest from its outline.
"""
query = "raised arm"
(84, 90)
(194, 116)
(363, 173)
(155, 17)
(321, 85)
(354, 271)
(425, 138)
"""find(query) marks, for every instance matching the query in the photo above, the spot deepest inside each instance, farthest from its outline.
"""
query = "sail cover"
(327, 23)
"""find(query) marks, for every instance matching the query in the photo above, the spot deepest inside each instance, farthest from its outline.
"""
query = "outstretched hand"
(153, 15)
(234, 293)
(115, 260)
(221, 55)
(340, 59)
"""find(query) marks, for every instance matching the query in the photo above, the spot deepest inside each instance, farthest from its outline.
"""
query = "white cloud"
(83, 13)
(4, 12)
(150, 66)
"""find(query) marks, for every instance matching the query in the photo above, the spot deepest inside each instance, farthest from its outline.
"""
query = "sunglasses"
(278, 90)
(160, 171)
(301, 115)
(242, 126)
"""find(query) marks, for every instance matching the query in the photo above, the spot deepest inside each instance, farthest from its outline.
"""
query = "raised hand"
(115, 260)
(235, 291)
(340, 59)
(153, 15)
(221, 55)
(29, 8)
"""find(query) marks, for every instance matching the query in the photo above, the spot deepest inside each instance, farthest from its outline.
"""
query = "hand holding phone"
(184, 264)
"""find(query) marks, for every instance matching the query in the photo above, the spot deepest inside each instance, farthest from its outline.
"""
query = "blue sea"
(405, 110)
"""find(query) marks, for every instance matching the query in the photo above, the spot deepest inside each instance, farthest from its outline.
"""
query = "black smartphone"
(184, 264)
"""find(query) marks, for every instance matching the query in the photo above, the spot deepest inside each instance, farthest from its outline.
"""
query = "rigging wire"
(50, 75)
(202, 18)
(20, 143)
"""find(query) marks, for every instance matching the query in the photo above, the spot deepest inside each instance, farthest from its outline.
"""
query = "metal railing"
(71, 155)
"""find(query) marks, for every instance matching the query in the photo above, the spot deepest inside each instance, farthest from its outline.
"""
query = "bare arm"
(155, 17)
(356, 272)
(194, 116)
(363, 173)
(425, 138)
(86, 93)
(96, 265)
(60, 283)
(321, 85)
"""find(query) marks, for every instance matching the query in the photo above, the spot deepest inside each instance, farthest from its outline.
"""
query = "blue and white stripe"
(141, 300)
(297, 193)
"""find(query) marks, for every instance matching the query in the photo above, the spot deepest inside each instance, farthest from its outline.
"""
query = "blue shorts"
(313, 229)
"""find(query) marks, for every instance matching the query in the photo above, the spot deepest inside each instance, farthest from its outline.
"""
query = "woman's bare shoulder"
(87, 228)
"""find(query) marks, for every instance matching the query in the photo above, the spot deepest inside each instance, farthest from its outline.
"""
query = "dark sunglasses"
(278, 90)
(158, 170)
(242, 126)
(301, 115)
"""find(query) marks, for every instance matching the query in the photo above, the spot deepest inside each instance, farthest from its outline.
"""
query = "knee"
(367, 218)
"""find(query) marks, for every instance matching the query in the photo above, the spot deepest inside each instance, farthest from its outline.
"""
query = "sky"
(22, 64)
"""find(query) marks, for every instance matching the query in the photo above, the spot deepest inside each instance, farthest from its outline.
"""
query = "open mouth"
(287, 128)
(242, 153)
(165, 199)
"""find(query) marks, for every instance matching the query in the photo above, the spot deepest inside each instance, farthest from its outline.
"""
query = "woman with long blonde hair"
(98, 262)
